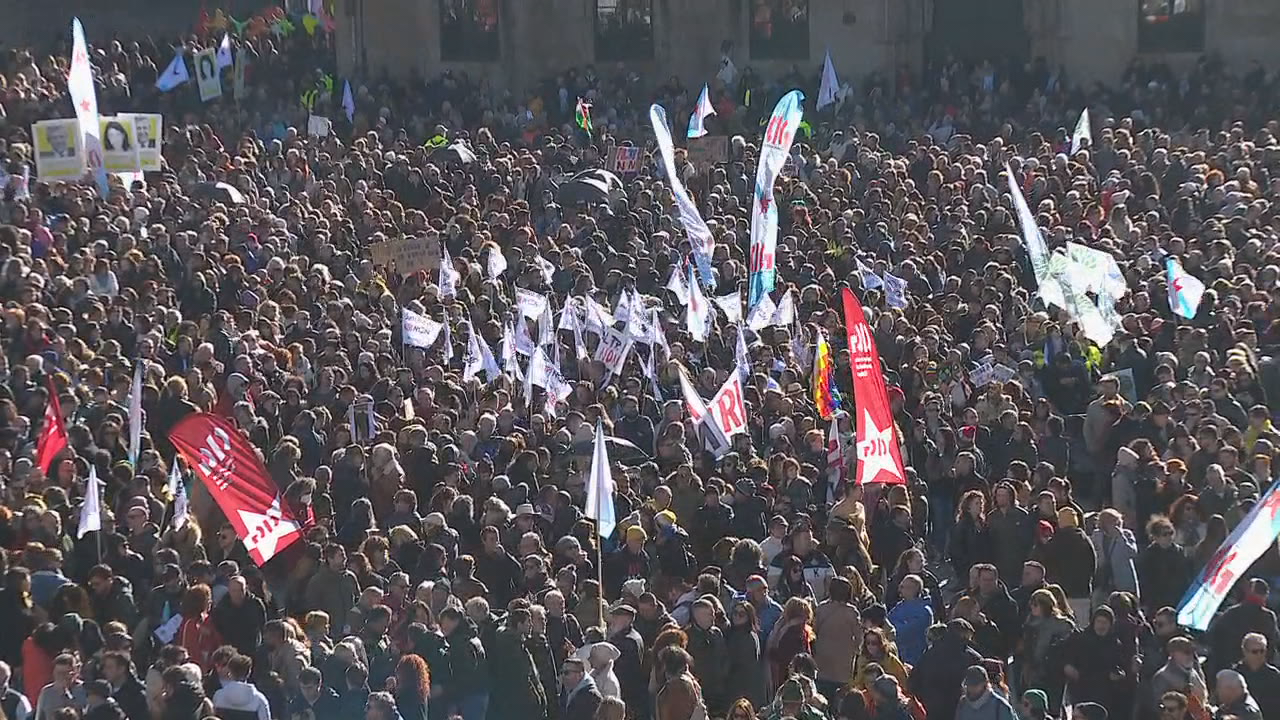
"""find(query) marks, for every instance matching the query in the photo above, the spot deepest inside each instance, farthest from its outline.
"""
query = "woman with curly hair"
(792, 634)
(412, 687)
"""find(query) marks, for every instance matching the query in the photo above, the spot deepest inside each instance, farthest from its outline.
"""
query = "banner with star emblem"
(228, 466)
(879, 454)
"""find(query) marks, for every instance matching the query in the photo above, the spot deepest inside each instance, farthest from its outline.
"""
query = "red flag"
(53, 434)
(235, 477)
(879, 455)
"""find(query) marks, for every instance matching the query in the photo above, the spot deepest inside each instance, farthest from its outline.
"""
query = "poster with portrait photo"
(119, 143)
(208, 78)
(149, 137)
(58, 150)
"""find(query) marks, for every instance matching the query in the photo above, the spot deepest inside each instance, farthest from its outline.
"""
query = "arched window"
(624, 30)
(1171, 26)
(469, 30)
(779, 30)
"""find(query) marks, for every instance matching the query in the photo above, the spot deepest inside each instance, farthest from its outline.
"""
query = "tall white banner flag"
(135, 415)
(91, 508)
(1082, 132)
(600, 487)
(695, 227)
(85, 99)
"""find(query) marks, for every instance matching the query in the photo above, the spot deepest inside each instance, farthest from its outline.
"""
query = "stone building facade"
(516, 43)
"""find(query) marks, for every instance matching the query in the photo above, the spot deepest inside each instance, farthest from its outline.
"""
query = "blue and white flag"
(135, 416)
(348, 102)
(895, 291)
(1230, 562)
(224, 57)
(830, 85)
(775, 148)
(174, 75)
(701, 111)
(695, 227)
(600, 487)
(1185, 290)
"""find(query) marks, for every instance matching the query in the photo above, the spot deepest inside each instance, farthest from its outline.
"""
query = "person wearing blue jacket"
(912, 617)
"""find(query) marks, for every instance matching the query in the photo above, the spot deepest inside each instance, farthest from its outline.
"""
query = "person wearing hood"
(313, 696)
(911, 617)
(101, 706)
(1096, 660)
(978, 701)
(939, 671)
(467, 693)
(238, 699)
(517, 687)
(579, 697)
(600, 657)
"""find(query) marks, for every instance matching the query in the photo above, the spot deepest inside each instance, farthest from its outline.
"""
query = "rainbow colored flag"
(825, 395)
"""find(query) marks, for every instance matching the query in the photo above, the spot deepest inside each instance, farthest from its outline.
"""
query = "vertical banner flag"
(774, 149)
(348, 102)
(174, 75)
(229, 467)
(879, 456)
(1185, 290)
(1050, 289)
(698, 314)
(91, 508)
(827, 92)
(701, 111)
(600, 487)
(178, 490)
(1082, 132)
(582, 115)
(1246, 544)
(135, 416)
(836, 469)
(825, 396)
(85, 99)
(53, 433)
(694, 226)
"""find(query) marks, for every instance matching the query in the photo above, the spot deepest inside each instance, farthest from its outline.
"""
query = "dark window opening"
(469, 31)
(624, 30)
(779, 30)
(1171, 26)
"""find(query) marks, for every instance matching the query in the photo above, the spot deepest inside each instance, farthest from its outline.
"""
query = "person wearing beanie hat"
(1089, 711)
(978, 701)
(1035, 705)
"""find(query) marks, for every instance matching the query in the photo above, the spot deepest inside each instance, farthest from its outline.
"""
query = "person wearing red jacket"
(197, 633)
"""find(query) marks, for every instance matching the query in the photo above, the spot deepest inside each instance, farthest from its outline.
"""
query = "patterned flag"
(879, 455)
(825, 395)
(701, 111)
(582, 115)
(1185, 290)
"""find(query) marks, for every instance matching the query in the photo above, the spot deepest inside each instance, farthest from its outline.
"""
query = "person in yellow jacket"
(878, 650)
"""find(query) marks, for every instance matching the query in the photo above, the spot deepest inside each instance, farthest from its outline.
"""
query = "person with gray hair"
(1259, 674)
(16, 706)
(1233, 697)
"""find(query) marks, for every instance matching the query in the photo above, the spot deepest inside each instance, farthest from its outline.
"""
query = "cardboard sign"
(708, 151)
(58, 150)
(407, 255)
(612, 350)
(626, 160)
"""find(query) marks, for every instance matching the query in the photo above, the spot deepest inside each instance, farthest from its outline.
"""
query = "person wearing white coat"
(600, 657)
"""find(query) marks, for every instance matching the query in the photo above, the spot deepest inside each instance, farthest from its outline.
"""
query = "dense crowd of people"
(1030, 568)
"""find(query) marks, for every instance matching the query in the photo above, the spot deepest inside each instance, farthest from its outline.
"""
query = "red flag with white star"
(226, 463)
(879, 454)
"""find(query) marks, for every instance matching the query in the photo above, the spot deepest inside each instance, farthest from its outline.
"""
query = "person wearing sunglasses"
(1262, 676)
(1173, 706)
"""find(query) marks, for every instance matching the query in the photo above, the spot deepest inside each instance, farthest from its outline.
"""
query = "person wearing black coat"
(940, 672)
(996, 603)
(633, 679)
(970, 541)
(709, 652)
(240, 617)
(1069, 560)
(101, 705)
(1165, 569)
(126, 688)
(468, 683)
(1096, 663)
(517, 689)
(314, 697)
(1262, 677)
(579, 698)
(1251, 614)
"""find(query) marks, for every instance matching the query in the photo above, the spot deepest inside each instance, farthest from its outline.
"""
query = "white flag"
(895, 291)
(598, 316)
(510, 364)
(180, 503)
(762, 313)
(473, 363)
(546, 336)
(224, 56)
(497, 262)
(537, 375)
(701, 111)
(600, 487)
(800, 347)
(524, 341)
(419, 330)
(1082, 132)
(827, 93)
(85, 100)
(677, 285)
(91, 508)
(532, 305)
(174, 75)
(731, 304)
(448, 276)
(544, 265)
(447, 350)
(135, 416)
(348, 102)
(700, 238)
(698, 317)
(741, 357)
(1050, 290)
(646, 366)
(786, 312)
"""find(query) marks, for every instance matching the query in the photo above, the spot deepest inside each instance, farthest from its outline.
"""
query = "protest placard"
(59, 154)
(706, 152)
(407, 254)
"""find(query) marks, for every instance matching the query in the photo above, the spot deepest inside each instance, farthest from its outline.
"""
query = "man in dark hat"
(629, 666)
